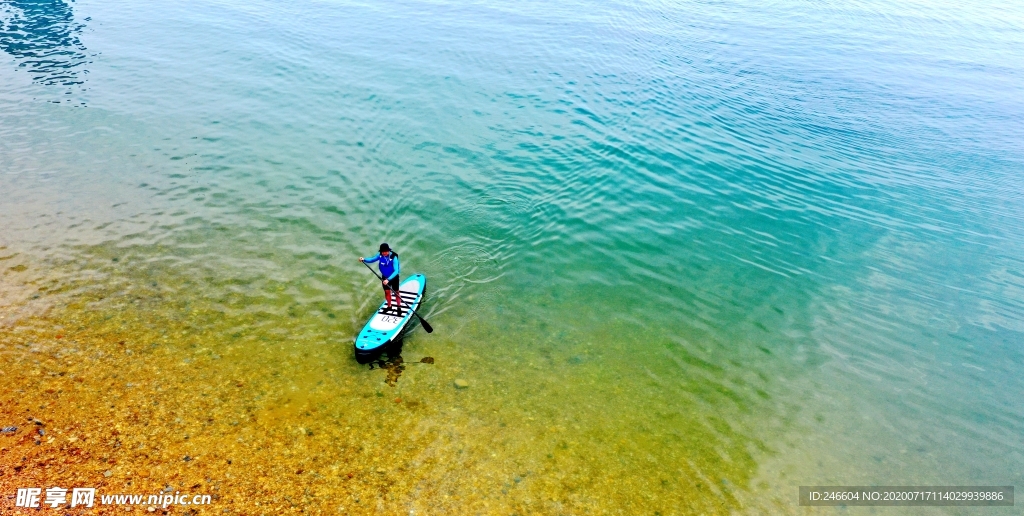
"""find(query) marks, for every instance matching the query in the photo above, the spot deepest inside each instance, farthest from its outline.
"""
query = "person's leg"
(398, 297)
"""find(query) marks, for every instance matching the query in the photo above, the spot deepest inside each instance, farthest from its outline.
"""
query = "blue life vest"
(387, 264)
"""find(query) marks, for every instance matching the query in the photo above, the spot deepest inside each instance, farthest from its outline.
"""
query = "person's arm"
(393, 274)
(373, 259)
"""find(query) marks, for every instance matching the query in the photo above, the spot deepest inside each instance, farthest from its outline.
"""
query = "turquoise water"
(689, 256)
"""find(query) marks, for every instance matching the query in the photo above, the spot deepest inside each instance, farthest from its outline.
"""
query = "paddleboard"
(386, 324)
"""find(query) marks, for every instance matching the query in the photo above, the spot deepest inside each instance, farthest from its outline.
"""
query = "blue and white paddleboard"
(386, 324)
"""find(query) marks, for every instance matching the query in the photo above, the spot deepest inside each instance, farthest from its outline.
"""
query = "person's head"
(384, 249)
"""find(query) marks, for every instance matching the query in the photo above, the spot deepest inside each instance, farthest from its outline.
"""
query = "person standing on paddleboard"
(387, 261)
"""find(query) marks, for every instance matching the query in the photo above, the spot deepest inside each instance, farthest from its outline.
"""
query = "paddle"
(423, 322)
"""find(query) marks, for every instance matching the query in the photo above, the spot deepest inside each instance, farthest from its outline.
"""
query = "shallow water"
(687, 256)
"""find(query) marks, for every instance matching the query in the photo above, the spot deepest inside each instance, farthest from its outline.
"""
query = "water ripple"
(44, 38)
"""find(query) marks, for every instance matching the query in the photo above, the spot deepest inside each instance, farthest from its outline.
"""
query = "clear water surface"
(687, 255)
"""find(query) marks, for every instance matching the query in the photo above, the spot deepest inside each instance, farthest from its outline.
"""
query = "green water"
(689, 256)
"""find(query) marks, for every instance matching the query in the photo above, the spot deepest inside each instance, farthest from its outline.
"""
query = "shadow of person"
(390, 360)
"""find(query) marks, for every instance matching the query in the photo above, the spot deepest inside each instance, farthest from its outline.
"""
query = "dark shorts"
(392, 282)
